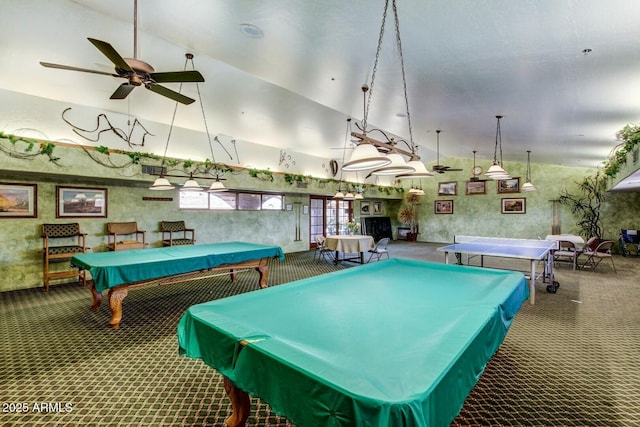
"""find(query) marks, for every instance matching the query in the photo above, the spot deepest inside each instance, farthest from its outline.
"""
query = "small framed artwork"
(81, 202)
(289, 207)
(403, 233)
(511, 185)
(305, 209)
(377, 208)
(18, 200)
(447, 188)
(443, 206)
(365, 208)
(514, 206)
(476, 187)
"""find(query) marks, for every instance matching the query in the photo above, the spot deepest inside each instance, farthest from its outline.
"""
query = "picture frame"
(81, 202)
(365, 208)
(289, 207)
(476, 187)
(511, 185)
(403, 233)
(18, 200)
(441, 207)
(447, 188)
(377, 208)
(514, 205)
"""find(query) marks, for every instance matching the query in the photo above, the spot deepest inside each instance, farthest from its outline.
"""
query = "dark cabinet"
(377, 227)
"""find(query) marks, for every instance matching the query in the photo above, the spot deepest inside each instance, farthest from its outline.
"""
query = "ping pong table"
(534, 251)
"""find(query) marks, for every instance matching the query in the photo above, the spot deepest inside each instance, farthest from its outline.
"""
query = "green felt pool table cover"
(392, 343)
(110, 269)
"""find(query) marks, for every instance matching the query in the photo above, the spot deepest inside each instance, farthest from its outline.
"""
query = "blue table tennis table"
(535, 251)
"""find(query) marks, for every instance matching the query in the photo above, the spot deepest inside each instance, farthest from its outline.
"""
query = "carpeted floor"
(569, 360)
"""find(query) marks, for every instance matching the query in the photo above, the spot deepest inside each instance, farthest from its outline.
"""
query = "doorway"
(328, 216)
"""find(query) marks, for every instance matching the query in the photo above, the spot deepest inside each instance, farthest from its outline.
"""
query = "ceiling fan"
(477, 170)
(137, 72)
(438, 167)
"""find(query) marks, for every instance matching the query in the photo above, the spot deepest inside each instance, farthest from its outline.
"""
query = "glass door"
(328, 217)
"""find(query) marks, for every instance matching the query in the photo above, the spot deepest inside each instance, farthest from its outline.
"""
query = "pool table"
(393, 343)
(120, 271)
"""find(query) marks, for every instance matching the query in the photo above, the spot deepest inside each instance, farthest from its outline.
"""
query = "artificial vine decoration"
(45, 148)
(108, 127)
(630, 137)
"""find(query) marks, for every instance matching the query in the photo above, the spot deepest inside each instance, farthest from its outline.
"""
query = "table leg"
(532, 283)
(240, 403)
(361, 257)
(116, 295)
(97, 296)
(263, 270)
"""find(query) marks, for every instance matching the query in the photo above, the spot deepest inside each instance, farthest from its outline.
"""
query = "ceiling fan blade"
(84, 70)
(169, 93)
(108, 51)
(177, 77)
(123, 90)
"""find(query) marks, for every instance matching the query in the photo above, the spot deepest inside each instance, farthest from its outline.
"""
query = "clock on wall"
(477, 170)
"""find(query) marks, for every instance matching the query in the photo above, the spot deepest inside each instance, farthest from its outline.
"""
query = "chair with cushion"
(566, 251)
(380, 249)
(185, 236)
(123, 236)
(595, 256)
(60, 242)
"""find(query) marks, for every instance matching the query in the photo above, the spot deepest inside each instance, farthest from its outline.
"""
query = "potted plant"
(586, 205)
(408, 215)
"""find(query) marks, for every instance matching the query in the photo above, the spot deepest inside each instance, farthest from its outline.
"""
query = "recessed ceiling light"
(252, 31)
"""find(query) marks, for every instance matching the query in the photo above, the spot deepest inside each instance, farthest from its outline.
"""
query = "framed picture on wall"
(447, 188)
(514, 206)
(403, 233)
(509, 185)
(377, 208)
(443, 206)
(365, 208)
(81, 202)
(18, 200)
(476, 187)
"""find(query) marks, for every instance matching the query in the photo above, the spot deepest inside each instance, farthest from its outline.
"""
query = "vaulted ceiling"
(565, 74)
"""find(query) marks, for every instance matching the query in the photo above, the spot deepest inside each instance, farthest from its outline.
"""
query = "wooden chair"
(186, 236)
(60, 242)
(123, 236)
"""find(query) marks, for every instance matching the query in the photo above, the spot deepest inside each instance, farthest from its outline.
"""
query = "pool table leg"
(263, 270)
(97, 296)
(116, 295)
(240, 403)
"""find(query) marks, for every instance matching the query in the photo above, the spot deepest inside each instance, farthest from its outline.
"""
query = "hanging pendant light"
(496, 171)
(420, 171)
(191, 185)
(528, 186)
(367, 154)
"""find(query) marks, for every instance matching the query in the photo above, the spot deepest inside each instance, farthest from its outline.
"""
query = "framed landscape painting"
(511, 185)
(514, 206)
(81, 202)
(443, 206)
(18, 200)
(447, 188)
(476, 187)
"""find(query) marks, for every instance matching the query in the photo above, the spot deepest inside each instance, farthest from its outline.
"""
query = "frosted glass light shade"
(161, 184)
(216, 186)
(191, 185)
(528, 187)
(420, 171)
(365, 156)
(397, 166)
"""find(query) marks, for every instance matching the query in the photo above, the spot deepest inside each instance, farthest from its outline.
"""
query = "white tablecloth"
(350, 244)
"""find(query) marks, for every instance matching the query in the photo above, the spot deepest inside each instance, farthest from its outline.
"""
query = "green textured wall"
(20, 259)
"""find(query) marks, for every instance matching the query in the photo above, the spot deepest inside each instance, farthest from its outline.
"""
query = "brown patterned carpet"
(570, 360)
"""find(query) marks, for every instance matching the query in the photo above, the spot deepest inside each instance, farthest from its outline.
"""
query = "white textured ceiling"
(465, 61)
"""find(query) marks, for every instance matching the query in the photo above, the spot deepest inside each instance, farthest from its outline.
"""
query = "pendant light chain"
(204, 117)
(173, 119)
(375, 68)
(404, 78)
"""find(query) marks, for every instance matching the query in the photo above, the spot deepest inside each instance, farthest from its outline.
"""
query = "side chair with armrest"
(60, 242)
(176, 233)
(123, 236)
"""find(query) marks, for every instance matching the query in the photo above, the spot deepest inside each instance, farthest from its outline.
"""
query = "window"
(230, 200)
